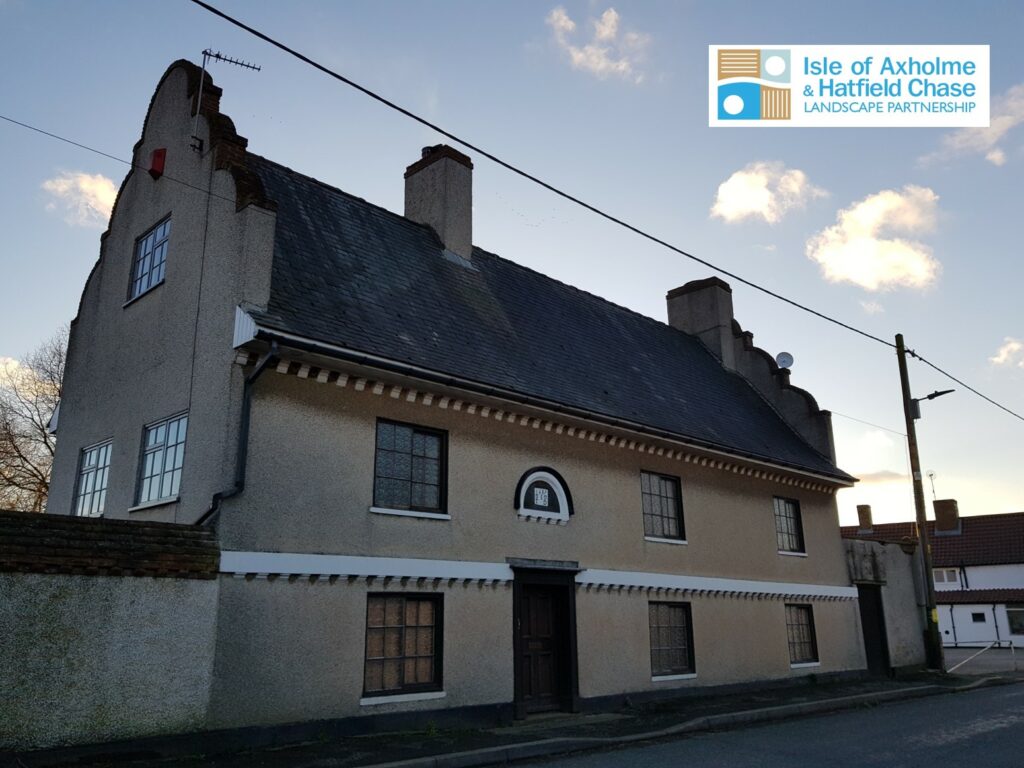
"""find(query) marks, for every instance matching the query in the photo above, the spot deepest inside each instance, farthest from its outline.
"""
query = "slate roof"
(355, 275)
(983, 539)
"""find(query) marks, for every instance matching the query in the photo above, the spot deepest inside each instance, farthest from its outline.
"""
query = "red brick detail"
(38, 543)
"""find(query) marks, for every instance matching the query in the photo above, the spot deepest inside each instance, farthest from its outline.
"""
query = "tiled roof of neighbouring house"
(983, 539)
(353, 275)
(978, 596)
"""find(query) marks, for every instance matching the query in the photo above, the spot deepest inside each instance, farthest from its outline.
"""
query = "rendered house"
(978, 568)
(438, 479)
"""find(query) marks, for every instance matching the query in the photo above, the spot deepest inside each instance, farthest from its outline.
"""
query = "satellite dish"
(784, 360)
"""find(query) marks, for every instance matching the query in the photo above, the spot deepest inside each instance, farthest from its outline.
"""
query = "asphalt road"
(978, 729)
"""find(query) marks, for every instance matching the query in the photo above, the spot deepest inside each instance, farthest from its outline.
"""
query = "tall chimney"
(439, 193)
(947, 516)
(864, 516)
(703, 308)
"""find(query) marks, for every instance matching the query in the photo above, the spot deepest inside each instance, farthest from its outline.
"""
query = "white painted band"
(286, 563)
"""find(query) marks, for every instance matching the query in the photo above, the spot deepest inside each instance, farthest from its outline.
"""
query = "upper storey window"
(789, 529)
(410, 468)
(163, 456)
(150, 259)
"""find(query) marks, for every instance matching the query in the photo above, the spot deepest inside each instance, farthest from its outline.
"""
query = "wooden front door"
(543, 647)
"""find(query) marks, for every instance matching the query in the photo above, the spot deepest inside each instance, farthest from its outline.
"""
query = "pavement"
(547, 736)
(994, 661)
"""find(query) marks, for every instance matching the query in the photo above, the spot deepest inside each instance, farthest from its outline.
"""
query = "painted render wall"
(98, 658)
(301, 645)
(957, 626)
(290, 651)
(311, 459)
(132, 364)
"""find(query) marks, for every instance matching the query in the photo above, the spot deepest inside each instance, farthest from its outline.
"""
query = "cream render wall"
(289, 650)
(170, 350)
(310, 486)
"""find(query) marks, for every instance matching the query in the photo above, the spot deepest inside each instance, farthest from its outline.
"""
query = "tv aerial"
(784, 360)
(208, 54)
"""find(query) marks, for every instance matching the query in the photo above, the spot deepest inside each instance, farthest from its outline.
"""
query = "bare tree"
(29, 393)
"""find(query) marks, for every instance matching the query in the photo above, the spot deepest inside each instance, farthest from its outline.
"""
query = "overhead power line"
(526, 175)
(565, 195)
(115, 158)
(968, 387)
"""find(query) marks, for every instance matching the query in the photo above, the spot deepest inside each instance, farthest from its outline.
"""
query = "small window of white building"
(149, 259)
(543, 495)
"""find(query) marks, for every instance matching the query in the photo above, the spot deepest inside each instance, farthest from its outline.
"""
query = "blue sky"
(612, 107)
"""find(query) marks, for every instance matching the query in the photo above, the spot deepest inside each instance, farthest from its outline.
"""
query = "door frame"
(559, 577)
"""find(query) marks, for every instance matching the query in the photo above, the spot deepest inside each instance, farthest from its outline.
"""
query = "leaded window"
(410, 468)
(93, 470)
(163, 455)
(803, 647)
(671, 639)
(150, 258)
(789, 530)
(663, 507)
(403, 644)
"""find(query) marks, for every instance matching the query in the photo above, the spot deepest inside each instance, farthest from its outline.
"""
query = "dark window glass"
(149, 259)
(403, 644)
(803, 647)
(93, 470)
(978, 618)
(663, 507)
(671, 638)
(410, 468)
(789, 530)
(163, 456)
(1015, 617)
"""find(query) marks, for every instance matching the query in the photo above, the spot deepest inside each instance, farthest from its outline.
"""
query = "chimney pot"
(864, 516)
(439, 193)
(703, 308)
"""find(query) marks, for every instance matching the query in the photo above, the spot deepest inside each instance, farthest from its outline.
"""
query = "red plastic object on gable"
(156, 162)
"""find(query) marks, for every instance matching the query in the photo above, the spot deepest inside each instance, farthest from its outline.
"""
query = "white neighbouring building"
(978, 566)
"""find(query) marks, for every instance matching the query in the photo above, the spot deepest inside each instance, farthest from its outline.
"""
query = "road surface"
(983, 728)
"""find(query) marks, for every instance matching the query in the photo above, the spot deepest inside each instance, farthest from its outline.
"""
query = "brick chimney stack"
(947, 516)
(439, 193)
(864, 517)
(703, 308)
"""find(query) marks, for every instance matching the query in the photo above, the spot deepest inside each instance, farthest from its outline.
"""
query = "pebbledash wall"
(311, 464)
(107, 629)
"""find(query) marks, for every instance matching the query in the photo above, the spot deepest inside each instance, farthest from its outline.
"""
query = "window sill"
(144, 293)
(398, 698)
(154, 503)
(660, 540)
(666, 678)
(805, 665)
(410, 513)
(543, 517)
(792, 554)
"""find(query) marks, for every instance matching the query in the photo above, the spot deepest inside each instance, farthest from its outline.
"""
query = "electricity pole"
(911, 411)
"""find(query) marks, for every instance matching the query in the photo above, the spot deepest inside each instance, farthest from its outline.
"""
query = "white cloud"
(865, 247)
(872, 307)
(1007, 114)
(763, 190)
(86, 199)
(1011, 353)
(609, 52)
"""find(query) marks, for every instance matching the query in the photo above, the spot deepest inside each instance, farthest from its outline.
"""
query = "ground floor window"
(403, 644)
(671, 639)
(803, 647)
(1015, 617)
